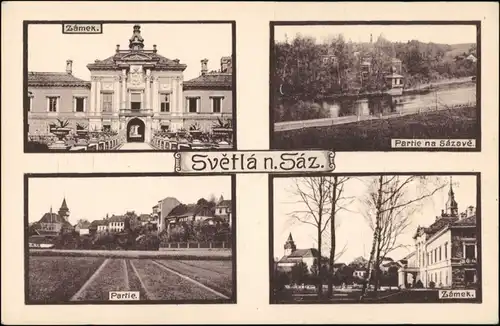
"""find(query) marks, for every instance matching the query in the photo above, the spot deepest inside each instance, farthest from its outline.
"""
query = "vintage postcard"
(386, 238)
(151, 244)
(375, 86)
(153, 90)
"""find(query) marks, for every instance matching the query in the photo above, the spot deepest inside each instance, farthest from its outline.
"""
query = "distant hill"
(458, 49)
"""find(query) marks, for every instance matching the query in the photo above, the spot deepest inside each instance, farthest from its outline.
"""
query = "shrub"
(432, 285)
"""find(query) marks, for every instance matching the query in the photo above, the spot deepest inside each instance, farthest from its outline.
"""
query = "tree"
(337, 189)
(389, 205)
(319, 203)
(299, 273)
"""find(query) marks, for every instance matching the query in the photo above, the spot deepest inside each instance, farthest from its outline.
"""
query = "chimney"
(69, 67)
(117, 48)
(154, 48)
(204, 68)
(471, 211)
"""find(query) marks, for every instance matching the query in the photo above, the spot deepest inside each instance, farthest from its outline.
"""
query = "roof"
(54, 218)
(311, 252)
(61, 79)
(361, 269)
(393, 76)
(130, 56)
(338, 265)
(116, 218)
(98, 222)
(447, 221)
(83, 224)
(64, 205)
(144, 217)
(224, 203)
(190, 210)
(216, 80)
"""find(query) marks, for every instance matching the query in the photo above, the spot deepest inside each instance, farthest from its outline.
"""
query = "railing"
(196, 245)
(300, 124)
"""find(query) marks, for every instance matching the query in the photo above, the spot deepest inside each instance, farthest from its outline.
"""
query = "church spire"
(136, 42)
(451, 204)
(289, 245)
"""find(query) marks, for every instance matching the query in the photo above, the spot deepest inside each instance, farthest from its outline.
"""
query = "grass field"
(57, 279)
(376, 135)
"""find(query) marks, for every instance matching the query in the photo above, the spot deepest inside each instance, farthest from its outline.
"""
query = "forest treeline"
(307, 70)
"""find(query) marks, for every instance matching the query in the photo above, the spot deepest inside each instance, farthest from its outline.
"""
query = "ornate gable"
(136, 57)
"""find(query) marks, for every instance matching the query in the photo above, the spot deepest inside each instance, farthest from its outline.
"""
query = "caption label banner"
(254, 162)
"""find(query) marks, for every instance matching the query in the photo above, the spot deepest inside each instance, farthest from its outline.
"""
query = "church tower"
(64, 210)
(289, 245)
(451, 204)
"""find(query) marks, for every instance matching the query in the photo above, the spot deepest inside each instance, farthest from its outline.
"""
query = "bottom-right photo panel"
(375, 238)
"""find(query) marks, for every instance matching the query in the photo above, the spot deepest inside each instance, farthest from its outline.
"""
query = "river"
(389, 104)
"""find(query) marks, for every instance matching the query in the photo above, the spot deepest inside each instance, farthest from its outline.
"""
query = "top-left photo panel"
(129, 86)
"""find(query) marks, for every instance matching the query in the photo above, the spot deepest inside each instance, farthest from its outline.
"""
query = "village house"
(223, 210)
(446, 251)
(82, 227)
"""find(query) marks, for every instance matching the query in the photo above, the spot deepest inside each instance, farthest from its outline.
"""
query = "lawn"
(214, 274)
(56, 279)
(376, 135)
(110, 278)
(164, 285)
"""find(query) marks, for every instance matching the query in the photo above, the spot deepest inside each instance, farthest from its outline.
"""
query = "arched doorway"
(135, 130)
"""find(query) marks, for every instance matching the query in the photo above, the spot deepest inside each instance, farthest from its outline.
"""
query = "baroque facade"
(135, 92)
(445, 252)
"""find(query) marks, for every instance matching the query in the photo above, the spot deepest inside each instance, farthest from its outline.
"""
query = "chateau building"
(134, 92)
(446, 251)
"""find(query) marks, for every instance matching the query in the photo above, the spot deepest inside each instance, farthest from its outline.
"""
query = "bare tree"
(320, 198)
(389, 207)
(337, 203)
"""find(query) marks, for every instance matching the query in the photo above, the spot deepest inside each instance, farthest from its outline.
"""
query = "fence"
(196, 245)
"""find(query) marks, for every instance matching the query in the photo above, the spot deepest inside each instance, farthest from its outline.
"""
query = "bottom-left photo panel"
(130, 238)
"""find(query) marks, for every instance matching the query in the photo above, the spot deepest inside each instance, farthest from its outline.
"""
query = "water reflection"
(388, 104)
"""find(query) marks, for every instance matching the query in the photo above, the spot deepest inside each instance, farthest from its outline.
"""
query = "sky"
(446, 34)
(93, 198)
(353, 230)
(49, 48)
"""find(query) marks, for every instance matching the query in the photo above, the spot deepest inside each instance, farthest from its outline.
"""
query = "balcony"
(136, 113)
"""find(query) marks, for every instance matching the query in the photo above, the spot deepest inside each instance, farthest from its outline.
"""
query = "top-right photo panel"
(375, 86)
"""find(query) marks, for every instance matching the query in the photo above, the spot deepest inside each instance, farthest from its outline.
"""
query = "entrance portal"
(135, 130)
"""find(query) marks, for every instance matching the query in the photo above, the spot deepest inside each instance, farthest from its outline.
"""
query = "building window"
(216, 104)
(107, 102)
(470, 251)
(440, 254)
(165, 103)
(52, 102)
(106, 128)
(446, 250)
(192, 103)
(51, 127)
(165, 128)
(30, 107)
(79, 104)
(135, 101)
